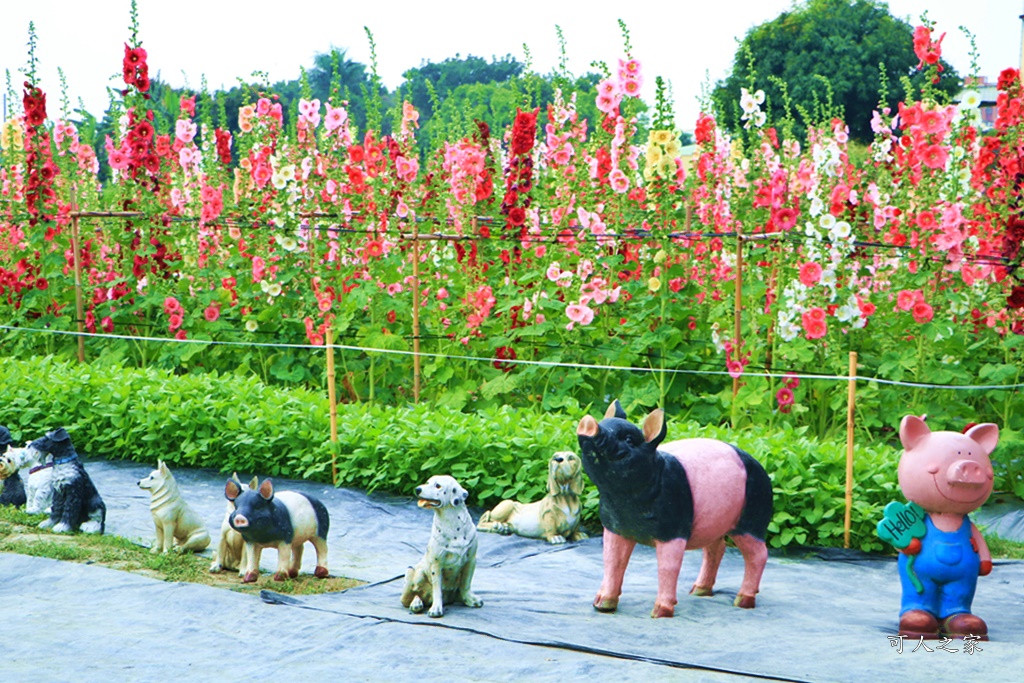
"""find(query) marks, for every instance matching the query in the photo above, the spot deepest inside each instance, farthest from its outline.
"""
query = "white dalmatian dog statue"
(445, 572)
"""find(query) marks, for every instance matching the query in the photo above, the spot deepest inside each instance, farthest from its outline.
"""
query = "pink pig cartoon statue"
(947, 474)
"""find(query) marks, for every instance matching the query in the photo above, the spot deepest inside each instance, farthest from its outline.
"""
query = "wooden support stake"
(850, 402)
(415, 313)
(737, 308)
(79, 308)
(332, 399)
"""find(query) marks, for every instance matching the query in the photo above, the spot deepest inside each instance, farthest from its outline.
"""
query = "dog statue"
(177, 525)
(76, 502)
(231, 553)
(12, 488)
(555, 517)
(445, 572)
(34, 470)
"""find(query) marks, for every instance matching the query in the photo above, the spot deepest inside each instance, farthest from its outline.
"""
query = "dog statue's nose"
(419, 490)
(558, 458)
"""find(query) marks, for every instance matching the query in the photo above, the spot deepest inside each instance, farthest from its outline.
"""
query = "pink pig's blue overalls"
(947, 566)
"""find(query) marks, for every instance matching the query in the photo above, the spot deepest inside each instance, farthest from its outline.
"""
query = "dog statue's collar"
(63, 461)
(40, 467)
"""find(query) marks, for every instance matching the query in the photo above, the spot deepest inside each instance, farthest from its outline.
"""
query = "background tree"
(844, 43)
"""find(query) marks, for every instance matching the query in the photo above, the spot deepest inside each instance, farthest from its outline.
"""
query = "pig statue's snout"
(966, 473)
(240, 521)
(587, 427)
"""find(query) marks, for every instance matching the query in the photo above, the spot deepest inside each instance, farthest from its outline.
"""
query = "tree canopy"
(841, 45)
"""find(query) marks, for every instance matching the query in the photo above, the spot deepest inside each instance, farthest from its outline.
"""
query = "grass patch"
(20, 533)
(1004, 549)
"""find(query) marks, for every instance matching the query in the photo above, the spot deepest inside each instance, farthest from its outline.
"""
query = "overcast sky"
(687, 43)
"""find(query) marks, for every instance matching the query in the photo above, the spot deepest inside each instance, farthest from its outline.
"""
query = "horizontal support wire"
(517, 361)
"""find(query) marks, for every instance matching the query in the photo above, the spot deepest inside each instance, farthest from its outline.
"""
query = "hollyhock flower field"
(558, 263)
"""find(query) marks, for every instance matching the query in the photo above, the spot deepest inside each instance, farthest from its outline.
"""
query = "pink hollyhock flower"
(335, 118)
(785, 218)
(406, 168)
(185, 130)
(171, 306)
(934, 156)
(310, 111)
(579, 313)
(118, 160)
(263, 106)
(810, 274)
(792, 381)
(618, 180)
(814, 323)
(107, 324)
(442, 293)
(174, 322)
(906, 298)
(258, 269)
(922, 312)
(212, 312)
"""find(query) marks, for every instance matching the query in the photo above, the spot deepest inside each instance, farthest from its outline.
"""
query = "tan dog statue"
(177, 525)
(445, 572)
(555, 517)
(231, 553)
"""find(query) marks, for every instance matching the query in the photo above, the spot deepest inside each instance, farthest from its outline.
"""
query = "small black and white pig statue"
(284, 521)
(690, 493)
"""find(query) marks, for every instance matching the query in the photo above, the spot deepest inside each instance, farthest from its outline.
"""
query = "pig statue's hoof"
(702, 591)
(602, 604)
(281, 576)
(744, 601)
(320, 572)
(663, 611)
(250, 577)
(964, 624)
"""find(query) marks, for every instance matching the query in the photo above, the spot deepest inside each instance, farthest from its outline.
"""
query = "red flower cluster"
(136, 72)
(519, 178)
(139, 143)
(705, 131)
(927, 51)
(223, 139)
(41, 171)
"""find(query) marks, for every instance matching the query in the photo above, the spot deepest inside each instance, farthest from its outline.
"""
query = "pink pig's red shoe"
(961, 625)
(917, 623)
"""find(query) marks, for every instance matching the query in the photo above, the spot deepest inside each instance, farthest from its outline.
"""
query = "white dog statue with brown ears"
(446, 571)
(178, 527)
(555, 517)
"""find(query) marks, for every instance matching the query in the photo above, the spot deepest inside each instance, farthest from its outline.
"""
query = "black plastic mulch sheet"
(819, 617)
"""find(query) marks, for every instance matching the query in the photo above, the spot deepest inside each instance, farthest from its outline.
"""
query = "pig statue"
(284, 520)
(947, 474)
(689, 493)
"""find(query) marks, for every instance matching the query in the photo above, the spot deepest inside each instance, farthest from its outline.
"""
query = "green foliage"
(236, 423)
(846, 42)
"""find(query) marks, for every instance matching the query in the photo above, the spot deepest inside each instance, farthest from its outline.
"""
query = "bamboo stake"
(79, 312)
(850, 402)
(332, 399)
(737, 308)
(415, 313)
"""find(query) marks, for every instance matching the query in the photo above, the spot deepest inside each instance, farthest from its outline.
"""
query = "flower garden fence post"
(79, 312)
(415, 311)
(332, 399)
(851, 392)
(737, 309)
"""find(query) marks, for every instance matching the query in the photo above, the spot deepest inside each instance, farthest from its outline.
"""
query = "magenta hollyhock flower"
(784, 397)
(810, 274)
(934, 156)
(174, 322)
(212, 312)
(785, 218)
(734, 367)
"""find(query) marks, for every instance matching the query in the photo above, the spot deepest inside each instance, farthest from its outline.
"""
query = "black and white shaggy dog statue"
(76, 502)
(12, 488)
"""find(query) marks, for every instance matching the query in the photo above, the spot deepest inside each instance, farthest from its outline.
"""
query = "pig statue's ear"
(232, 490)
(912, 430)
(986, 435)
(267, 489)
(615, 410)
(654, 427)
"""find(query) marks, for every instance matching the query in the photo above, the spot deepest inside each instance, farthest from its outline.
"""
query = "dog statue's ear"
(162, 466)
(254, 483)
(267, 489)
(59, 434)
(234, 478)
(232, 490)
(461, 494)
(576, 485)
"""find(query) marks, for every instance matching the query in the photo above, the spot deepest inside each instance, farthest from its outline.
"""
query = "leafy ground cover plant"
(236, 423)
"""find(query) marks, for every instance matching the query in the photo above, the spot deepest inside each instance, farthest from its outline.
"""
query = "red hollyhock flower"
(516, 216)
(1016, 298)
(524, 131)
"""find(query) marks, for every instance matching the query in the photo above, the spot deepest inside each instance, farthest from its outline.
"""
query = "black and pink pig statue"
(947, 475)
(689, 493)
